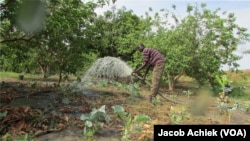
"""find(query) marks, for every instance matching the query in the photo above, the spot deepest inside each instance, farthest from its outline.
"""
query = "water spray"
(109, 68)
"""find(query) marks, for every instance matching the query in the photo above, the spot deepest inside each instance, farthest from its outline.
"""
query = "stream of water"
(109, 68)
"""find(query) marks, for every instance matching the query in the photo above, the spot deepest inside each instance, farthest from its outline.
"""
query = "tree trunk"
(21, 76)
(44, 70)
(172, 80)
(171, 83)
(60, 76)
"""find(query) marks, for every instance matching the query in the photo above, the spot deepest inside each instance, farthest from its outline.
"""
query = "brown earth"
(39, 110)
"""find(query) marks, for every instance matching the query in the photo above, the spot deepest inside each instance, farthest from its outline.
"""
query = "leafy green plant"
(117, 84)
(244, 107)
(223, 81)
(76, 87)
(188, 93)
(103, 83)
(65, 90)
(177, 116)
(156, 101)
(65, 100)
(139, 120)
(133, 90)
(224, 108)
(130, 122)
(94, 121)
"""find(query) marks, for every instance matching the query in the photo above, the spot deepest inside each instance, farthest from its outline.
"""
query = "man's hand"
(134, 73)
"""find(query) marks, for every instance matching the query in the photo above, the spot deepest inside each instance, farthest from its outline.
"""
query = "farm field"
(82, 70)
(44, 112)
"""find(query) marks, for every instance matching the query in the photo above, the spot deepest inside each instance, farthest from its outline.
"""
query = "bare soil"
(38, 109)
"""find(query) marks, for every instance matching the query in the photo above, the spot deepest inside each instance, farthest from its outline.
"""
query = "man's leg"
(156, 78)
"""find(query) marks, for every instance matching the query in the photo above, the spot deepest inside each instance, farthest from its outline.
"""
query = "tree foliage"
(117, 33)
(72, 36)
(64, 42)
(198, 44)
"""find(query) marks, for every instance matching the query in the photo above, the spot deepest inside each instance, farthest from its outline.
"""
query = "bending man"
(152, 59)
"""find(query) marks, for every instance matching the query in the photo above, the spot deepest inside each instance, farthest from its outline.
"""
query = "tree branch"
(178, 76)
(17, 39)
(6, 4)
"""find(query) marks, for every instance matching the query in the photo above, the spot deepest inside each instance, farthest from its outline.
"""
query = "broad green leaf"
(141, 118)
(102, 109)
(88, 123)
(84, 117)
(118, 108)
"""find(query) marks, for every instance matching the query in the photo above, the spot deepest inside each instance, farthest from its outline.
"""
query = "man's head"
(141, 47)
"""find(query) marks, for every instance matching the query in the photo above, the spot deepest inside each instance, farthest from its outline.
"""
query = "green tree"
(13, 41)
(198, 44)
(117, 33)
(63, 43)
(217, 37)
(66, 34)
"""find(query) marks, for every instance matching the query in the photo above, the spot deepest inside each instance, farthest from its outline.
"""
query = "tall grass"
(239, 78)
(241, 83)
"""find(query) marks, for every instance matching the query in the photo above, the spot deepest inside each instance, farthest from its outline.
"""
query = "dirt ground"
(34, 107)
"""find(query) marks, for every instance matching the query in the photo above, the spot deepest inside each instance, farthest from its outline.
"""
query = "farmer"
(152, 59)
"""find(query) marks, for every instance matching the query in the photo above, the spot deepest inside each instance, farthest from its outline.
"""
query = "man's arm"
(140, 68)
(146, 72)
